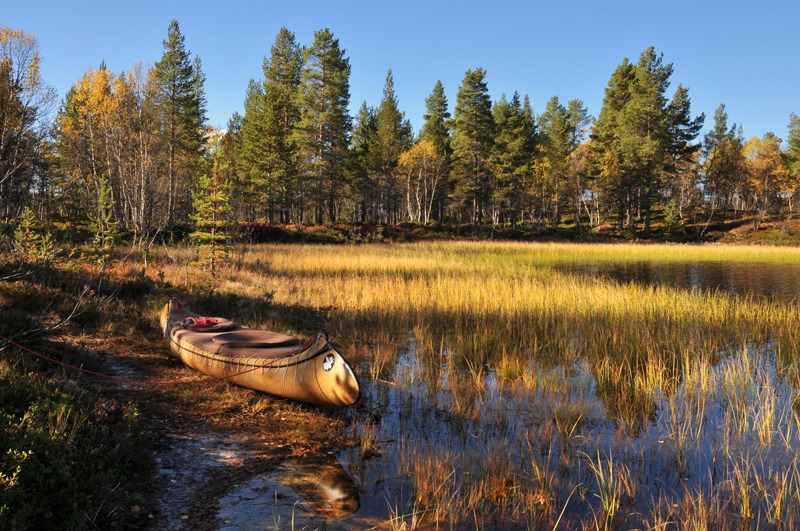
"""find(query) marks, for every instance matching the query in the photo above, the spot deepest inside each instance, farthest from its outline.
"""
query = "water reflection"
(462, 444)
(301, 491)
(778, 281)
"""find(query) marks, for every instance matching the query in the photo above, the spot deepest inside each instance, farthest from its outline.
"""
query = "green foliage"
(512, 155)
(24, 102)
(672, 221)
(473, 137)
(639, 135)
(724, 160)
(31, 244)
(436, 118)
(392, 138)
(103, 225)
(212, 216)
(51, 468)
(181, 101)
(794, 146)
(321, 133)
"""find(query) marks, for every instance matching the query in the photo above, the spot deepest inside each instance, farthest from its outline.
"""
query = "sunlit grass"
(654, 357)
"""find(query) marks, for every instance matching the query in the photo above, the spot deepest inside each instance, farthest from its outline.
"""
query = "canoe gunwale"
(320, 374)
(253, 362)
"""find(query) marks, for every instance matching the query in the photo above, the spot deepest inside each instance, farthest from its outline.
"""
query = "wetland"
(504, 386)
(533, 386)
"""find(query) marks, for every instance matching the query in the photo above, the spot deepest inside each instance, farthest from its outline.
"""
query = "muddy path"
(224, 457)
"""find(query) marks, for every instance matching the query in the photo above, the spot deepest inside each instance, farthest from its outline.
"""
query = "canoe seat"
(255, 339)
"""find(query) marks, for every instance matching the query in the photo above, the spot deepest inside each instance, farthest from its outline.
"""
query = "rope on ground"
(301, 348)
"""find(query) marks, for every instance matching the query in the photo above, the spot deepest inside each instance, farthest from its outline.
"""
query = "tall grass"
(685, 390)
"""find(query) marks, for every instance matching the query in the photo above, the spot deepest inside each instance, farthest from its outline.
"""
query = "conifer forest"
(137, 144)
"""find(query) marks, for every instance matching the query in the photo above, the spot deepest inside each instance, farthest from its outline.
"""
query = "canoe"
(274, 363)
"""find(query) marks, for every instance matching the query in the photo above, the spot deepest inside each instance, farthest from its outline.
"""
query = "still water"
(455, 447)
(777, 281)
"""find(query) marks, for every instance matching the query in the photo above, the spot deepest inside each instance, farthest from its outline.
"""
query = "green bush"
(62, 450)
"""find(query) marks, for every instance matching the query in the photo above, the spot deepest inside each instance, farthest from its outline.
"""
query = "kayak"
(274, 363)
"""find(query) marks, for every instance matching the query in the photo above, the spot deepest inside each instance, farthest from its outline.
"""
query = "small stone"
(185, 517)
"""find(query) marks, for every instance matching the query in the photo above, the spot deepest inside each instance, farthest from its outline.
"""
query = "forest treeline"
(134, 146)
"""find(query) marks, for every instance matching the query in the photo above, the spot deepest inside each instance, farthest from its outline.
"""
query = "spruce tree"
(436, 118)
(393, 137)
(473, 137)
(259, 150)
(511, 156)
(211, 216)
(363, 166)
(103, 225)
(436, 129)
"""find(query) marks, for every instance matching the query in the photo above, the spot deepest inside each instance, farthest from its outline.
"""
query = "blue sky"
(743, 54)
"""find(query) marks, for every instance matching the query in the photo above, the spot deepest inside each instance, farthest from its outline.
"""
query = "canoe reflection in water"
(323, 484)
(293, 491)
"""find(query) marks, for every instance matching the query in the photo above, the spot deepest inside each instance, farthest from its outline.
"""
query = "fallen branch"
(782, 229)
(76, 311)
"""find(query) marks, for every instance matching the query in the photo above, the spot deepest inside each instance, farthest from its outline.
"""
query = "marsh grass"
(525, 366)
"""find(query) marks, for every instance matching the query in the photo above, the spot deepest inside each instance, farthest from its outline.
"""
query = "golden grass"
(661, 359)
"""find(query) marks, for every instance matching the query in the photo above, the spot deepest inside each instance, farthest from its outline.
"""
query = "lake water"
(778, 281)
(467, 441)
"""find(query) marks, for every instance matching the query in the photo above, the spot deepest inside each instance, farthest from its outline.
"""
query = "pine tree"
(644, 131)
(682, 152)
(322, 131)
(282, 76)
(631, 137)
(473, 137)
(181, 100)
(606, 153)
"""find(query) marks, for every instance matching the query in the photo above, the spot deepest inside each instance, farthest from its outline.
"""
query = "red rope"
(148, 382)
(201, 322)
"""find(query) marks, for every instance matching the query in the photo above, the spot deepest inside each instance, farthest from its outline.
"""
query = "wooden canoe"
(265, 361)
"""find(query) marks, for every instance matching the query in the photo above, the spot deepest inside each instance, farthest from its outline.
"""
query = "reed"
(676, 373)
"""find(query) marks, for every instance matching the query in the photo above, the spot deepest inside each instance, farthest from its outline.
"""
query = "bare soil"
(207, 438)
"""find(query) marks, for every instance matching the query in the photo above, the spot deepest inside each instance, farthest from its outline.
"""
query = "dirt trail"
(208, 439)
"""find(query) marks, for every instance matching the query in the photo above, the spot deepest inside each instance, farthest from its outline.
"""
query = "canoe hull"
(264, 361)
